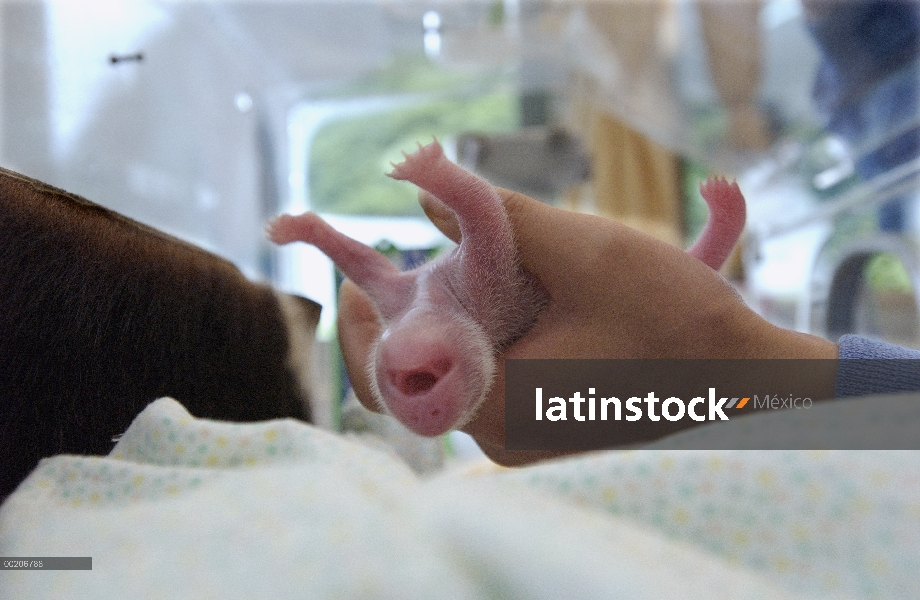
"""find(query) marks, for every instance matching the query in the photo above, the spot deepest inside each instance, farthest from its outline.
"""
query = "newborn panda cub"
(446, 321)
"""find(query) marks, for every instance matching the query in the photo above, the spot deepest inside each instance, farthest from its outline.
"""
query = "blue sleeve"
(861, 44)
(872, 367)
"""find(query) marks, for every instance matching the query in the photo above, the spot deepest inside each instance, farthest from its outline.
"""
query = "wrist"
(740, 333)
(752, 337)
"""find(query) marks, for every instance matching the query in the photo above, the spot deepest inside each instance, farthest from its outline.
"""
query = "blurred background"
(204, 119)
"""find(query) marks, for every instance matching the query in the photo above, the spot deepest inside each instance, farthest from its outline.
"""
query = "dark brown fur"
(100, 315)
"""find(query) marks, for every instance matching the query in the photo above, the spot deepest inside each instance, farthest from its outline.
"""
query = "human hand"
(614, 293)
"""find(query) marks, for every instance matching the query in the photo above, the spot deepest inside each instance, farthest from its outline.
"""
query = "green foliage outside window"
(350, 156)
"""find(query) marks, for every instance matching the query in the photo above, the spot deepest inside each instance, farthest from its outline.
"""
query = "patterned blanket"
(189, 508)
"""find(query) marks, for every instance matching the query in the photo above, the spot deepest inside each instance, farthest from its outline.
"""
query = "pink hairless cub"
(447, 320)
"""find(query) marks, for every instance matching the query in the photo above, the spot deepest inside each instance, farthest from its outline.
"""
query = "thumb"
(440, 215)
(359, 328)
(444, 218)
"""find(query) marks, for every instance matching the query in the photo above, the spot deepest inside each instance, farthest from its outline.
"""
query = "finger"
(359, 328)
(440, 215)
(446, 220)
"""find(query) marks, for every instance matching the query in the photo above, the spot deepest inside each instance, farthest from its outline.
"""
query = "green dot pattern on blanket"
(166, 452)
(98, 481)
(187, 442)
(793, 514)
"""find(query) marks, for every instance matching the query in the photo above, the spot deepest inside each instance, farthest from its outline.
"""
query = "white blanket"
(188, 508)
